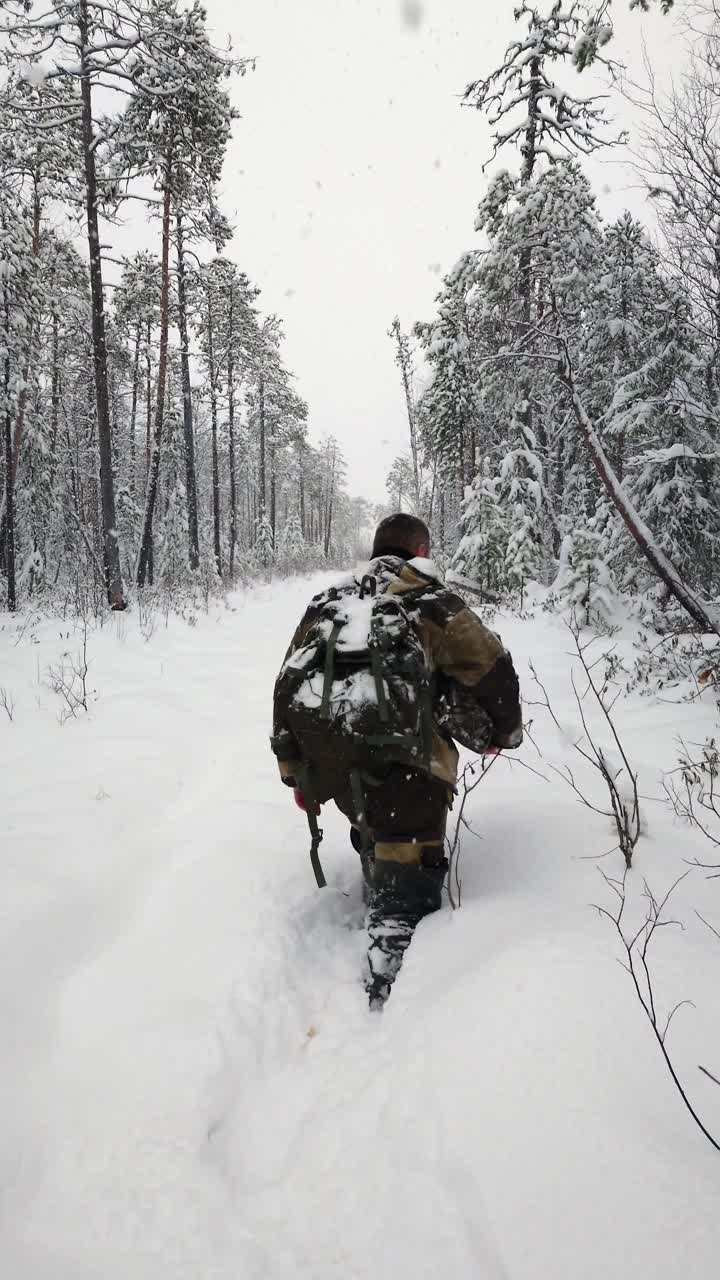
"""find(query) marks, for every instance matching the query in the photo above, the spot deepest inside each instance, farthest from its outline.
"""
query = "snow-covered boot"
(401, 895)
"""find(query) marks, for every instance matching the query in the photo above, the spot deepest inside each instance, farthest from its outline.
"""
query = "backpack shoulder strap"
(329, 669)
(316, 833)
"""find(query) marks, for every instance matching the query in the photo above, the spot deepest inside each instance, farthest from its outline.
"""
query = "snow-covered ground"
(191, 1087)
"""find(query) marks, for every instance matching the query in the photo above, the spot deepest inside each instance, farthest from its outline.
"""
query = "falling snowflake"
(412, 14)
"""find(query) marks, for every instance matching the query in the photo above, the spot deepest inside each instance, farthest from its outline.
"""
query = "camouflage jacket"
(460, 650)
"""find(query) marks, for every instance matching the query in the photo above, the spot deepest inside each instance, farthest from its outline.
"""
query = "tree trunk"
(262, 446)
(111, 549)
(54, 396)
(19, 427)
(213, 420)
(714, 364)
(144, 562)
(54, 430)
(403, 360)
(9, 486)
(529, 154)
(251, 501)
(188, 434)
(624, 312)
(273, 482)
(329, 505)
(113, 396)
(133, 412)
(148, 399)
(433, 491)
(231, 429)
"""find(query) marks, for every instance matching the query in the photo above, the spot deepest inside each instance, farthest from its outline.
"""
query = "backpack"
(356, 695)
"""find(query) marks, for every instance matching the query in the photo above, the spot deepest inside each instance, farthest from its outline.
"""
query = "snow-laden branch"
(703, 613)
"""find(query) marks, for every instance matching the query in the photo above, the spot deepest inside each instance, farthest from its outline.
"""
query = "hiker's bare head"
(401, 534)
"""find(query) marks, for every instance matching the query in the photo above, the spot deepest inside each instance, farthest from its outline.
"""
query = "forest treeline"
(151, 430)
(562, 327)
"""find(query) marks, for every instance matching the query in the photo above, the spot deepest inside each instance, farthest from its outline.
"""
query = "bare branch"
(647, 998)
(709, 1075)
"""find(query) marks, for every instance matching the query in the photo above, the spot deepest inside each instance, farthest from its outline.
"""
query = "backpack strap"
(358, 799)
(329, 670)
(316, 834)
(377, 671)
(368, 586)
(427, 726)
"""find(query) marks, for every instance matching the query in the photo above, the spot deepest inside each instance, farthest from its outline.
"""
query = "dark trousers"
(405, 810)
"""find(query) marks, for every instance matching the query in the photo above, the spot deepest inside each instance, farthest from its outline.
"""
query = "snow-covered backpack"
(355, 696)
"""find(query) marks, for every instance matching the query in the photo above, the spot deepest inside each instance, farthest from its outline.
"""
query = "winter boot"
(402, 894)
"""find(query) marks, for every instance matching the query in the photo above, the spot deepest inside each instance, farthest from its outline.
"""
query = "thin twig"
(543, 690)
(709, 926)
(454, 846)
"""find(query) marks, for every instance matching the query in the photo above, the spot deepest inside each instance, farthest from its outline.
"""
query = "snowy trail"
(191, 1084)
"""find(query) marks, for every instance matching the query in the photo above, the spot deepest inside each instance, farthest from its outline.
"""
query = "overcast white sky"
(353, 180)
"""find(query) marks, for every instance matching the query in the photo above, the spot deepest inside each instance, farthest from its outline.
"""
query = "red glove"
(300, 802)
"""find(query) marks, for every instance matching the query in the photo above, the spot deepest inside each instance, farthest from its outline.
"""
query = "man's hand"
(300, 802)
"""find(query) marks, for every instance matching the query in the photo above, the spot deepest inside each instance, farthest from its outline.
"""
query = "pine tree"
(627, 290)
(521, 495)
(172, 554)
(400, 483)
(93, 45)
(18, 291)
(137, 309)
(482, 549)
(178, 136)
(532, 285)
(264, 548)
(584, 583)
(673, 483)
(237, 353)
(680, 164)
(522, 101)
(86, 384)
(555, 216)
(449, 408)
(403, 360)
(292, 554)
(37, 164)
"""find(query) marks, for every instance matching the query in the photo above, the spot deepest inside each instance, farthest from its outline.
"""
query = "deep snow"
(192, 1087)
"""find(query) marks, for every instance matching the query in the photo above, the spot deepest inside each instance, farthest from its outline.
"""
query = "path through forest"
(192, 1087)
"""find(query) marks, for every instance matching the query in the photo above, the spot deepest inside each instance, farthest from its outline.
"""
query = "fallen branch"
(702, 613)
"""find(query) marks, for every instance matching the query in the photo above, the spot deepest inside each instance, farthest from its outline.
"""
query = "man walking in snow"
(384, 670)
